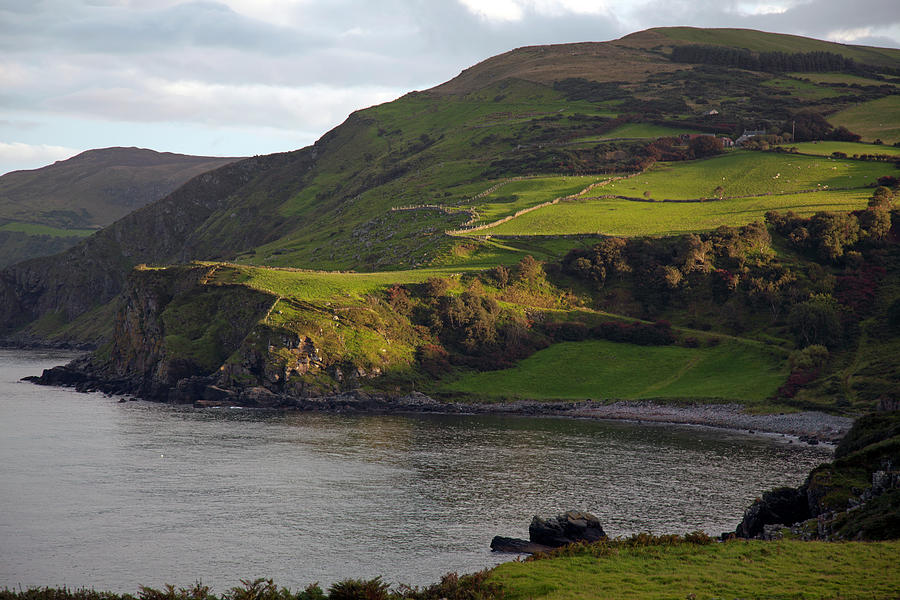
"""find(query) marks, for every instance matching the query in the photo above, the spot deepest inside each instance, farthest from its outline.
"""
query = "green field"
(838, 78)
(644, 131)
(632, 218)
(753, 183)
(803, 89)
(875, 119)
(603, 370)
(319, 285)
(37, 229)
(517, 195)
(738, 569)
(745, 173)
(848, 148)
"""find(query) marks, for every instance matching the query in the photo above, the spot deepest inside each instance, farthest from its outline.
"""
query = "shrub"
(567, 331)
(359, 589)
(811, 357)
(815, 322)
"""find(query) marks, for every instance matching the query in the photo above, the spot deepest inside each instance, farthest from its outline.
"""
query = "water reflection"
(117, 495)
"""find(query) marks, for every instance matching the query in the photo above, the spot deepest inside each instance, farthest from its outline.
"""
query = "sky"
(246, 77)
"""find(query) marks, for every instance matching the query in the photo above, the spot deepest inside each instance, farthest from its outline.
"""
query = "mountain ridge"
(45, 210)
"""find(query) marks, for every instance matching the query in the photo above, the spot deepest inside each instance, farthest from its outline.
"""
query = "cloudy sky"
(244, 77)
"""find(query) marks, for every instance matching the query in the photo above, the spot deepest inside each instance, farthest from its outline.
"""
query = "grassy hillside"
(46, 210)
(761, 41)
(875, 119)
(635, 218)
(96, 187)
(750, 184)
(602, 370)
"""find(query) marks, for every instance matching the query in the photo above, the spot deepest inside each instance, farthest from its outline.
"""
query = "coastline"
(809, 426)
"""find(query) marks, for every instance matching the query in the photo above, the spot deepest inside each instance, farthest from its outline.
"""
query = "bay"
(113, 495)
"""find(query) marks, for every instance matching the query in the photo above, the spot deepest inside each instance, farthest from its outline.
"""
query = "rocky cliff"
(855, 497)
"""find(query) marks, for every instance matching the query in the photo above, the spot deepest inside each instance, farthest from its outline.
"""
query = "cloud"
(17, 155)
(316, 106)
(232, 66)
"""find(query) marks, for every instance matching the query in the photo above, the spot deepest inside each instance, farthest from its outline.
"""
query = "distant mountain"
(46, 210)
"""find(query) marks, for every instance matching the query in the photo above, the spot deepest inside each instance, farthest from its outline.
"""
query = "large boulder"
(567, 528)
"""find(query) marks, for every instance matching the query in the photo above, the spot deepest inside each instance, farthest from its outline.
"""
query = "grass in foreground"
(603, 370)
(737, 569)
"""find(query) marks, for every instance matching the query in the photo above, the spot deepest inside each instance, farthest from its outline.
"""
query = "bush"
(815, 322)
(567, 331)
(811, 357)
(359, 589)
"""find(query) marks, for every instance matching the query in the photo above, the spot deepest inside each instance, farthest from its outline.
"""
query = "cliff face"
(95, 271)
(182, 335)
(170, 327)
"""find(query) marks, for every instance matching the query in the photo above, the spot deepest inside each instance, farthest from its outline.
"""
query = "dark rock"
(212, 393)
(190, 389)
(515, 545)
(64, 376)
(570, 527)
(783, 505)
(259, 396)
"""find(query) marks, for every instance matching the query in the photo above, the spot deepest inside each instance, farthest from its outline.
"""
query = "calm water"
(113, 496)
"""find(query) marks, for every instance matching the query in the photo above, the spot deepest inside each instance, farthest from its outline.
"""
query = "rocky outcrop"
(171, 334)
(854, 497)
(567, 528)
(545, 534)
(783, 506)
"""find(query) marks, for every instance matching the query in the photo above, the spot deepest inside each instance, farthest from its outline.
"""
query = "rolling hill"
(46, 210)
(439, 200)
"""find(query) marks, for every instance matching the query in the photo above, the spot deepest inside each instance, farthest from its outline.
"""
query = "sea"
(112, 494)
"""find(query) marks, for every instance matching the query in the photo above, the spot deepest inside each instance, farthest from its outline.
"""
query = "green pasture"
(875, 119)
(37, 229)
(517, 195)
(848, 148)
(838, 78)
(736, 569)
(744, 173)
(803, 89)
(632, 218)
(642, 131)
(474, 253)
(311, 286)
(603, 370)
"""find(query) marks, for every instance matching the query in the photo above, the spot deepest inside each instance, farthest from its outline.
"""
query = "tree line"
(775, 62)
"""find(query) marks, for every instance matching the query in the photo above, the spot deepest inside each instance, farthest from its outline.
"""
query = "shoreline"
(812, 427)
(809, 426)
